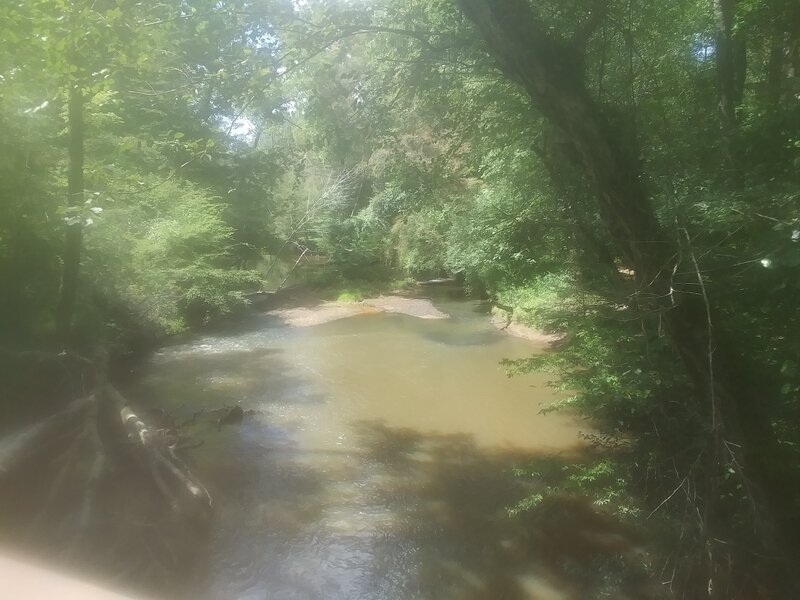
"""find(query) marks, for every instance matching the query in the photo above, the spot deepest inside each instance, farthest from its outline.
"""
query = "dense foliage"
(224, 143)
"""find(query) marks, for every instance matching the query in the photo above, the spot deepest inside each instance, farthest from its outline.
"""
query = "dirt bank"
(324, 312)
(502, 321)
(422, 308)
(318, 312)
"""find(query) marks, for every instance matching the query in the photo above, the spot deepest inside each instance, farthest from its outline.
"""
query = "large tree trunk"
(731, 62)
(72, 246)
(784, 54)
(773, 85)
(549, 70)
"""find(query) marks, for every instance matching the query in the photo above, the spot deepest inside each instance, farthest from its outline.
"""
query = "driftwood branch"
(289, 274)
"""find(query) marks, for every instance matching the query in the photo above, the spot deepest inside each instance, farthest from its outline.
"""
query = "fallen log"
(171, 475)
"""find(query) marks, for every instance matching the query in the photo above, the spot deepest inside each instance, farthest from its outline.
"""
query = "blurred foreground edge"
(24, 581)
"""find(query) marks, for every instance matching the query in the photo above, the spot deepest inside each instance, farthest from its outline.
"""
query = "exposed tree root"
(19, 450)
(93, 479)
(66, 472)
(98, 487)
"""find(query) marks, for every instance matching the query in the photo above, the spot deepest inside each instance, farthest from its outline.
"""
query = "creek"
(374, 460)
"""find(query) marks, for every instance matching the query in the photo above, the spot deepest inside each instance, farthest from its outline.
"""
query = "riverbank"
(333, 310)
(505, 322)
(307, 309)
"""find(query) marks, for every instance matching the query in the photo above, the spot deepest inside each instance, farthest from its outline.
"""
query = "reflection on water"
(376, 463)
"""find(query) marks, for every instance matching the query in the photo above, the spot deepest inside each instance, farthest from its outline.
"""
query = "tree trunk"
(784, 54)
(730, 57)
(773, 85)
(549, 70)
(74, 230)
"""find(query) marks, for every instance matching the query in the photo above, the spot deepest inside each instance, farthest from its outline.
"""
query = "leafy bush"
(350, 296)
(419, 242)
(501, 234)
(545, 301)
(165, 253)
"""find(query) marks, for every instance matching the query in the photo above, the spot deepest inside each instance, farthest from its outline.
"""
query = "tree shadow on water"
(253, 377)
(451, 499)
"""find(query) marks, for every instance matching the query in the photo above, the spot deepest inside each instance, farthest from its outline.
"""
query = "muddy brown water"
(377, 463)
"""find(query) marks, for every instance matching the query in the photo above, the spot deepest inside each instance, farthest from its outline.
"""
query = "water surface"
(376, 463)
